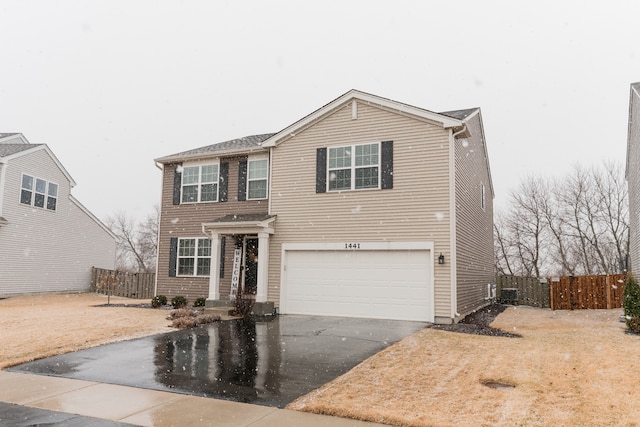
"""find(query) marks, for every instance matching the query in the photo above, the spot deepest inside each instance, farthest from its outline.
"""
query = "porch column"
(263, 267)
(214, 273)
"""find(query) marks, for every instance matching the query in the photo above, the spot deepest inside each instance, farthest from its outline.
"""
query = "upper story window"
(194, 257)
(257, 178)
(200, 183)
(354, 167)
(483, 197)
(38, 192)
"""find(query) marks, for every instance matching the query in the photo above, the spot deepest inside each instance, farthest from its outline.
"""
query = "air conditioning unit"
(509, 296)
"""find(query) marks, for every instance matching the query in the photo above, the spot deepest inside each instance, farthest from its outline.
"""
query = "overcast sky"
(111, 85)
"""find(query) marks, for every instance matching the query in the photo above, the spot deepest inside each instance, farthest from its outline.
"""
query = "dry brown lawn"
(570, 368)
(33, 327)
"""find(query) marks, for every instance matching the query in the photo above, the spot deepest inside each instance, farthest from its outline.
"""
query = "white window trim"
(483, 197)
(195, 258)
(353, 167)
(199, 184)
(253, 159)
(33, 193)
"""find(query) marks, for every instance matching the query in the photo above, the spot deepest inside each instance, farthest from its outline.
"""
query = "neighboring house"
(48, 240)
(632, 174)
(364, 208)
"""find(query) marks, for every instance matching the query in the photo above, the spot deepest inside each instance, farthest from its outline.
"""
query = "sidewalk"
(142, 407)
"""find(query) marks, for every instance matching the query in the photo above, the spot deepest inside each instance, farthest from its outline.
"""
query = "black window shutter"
(223, 243)
(173, 256)
(387, 164)
(321, 170)
(223, 183)
(242, 180)
(177, 183)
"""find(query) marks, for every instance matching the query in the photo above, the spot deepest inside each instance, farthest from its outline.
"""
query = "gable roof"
(242, 145)
(7, 149)
(12, 151)
(446, 121)
(12, 138)
(4, 135)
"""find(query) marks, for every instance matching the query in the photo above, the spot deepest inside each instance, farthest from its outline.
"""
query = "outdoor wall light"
(441, 259)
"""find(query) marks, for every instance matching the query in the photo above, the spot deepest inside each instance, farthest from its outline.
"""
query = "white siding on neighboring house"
(633, 177)
(48, 251)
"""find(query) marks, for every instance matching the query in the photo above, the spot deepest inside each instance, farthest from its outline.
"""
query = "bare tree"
(576, 225)
(526, 222)
(502, 246)
(614, 211)
(137, 242)
(552, 213)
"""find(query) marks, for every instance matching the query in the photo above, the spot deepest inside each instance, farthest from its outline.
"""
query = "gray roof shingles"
(238, 144)
(9, 149)
(459, 114)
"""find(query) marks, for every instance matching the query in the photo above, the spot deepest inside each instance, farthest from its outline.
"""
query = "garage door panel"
(378, 284)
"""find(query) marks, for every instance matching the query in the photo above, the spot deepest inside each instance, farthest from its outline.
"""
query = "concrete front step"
(225, 308)
(220, 311)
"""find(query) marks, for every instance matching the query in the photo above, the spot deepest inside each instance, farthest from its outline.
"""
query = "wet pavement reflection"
(261, 362)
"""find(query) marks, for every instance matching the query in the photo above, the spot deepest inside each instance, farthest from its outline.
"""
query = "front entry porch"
(250, 236)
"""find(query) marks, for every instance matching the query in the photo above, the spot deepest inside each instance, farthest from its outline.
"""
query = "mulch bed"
(477, 323)
(127, 305)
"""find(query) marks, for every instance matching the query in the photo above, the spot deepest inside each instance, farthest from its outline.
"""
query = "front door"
(250, 283)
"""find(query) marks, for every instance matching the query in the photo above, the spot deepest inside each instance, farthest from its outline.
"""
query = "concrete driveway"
(268, 363)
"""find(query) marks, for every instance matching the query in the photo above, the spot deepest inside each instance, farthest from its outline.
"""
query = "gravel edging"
(477, 323)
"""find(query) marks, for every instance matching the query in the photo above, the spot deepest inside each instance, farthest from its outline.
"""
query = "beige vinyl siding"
(633, 180)
(416, 209)
(185, 221)
(474, 226)
(43, 251)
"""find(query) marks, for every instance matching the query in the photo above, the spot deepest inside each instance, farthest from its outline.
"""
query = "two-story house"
(366, 207)
(48, 240)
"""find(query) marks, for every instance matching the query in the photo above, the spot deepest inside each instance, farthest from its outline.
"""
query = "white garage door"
(384, 284)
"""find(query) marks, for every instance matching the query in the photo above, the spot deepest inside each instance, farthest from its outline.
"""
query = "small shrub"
(184, 322)
(204, 319)
(181, 312)
(179, 301)
(631, 304)
(184, 318)
(200, 302)
(158, 301)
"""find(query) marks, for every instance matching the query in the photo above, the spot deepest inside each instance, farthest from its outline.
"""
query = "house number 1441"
(352, 245)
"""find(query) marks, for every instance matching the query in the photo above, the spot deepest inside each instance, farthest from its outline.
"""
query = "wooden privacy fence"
(523, 291)
(587, 292)
(123, 284)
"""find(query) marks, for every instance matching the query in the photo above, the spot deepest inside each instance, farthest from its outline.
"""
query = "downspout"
(269, 195)
(155, 285)
(452, 225)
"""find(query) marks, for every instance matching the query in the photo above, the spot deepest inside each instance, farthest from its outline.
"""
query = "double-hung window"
(38, 192)
(354, 167)
(200, 183)
(257, 178)
(194, 257)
